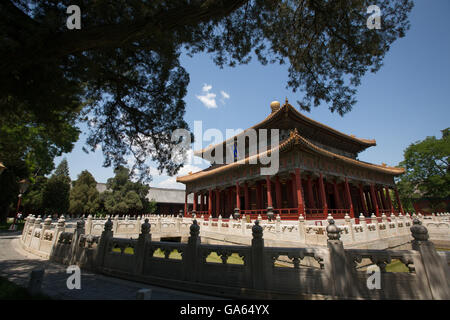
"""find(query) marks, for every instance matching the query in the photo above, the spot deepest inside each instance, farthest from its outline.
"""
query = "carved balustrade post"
(143, 243)
(374, 220)
(436, 268)
(137, 226)
(46, 226)
(363, 224)
(219, 223)
(257, 257)
(158, 224)
(349, 224)
(76, 240)
(102, 248)
(278, 226)
(339, 269)
(301, 228)
(30, 230)
(192, 258)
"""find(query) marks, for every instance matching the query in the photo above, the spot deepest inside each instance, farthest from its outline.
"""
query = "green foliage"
(152, 206)
(123, 66)
(32, 201)
(84, 196)
(28, 147)
(55, 196)
(427, 169)
(124, 196)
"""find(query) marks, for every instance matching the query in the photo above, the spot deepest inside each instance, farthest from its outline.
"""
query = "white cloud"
(209, 98)
(225, 95)
(206, 87)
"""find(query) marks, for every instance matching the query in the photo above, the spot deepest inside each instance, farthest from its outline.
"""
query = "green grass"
(5, 226)
(128, 250)
(11, 291)
(396, 266)
(212, 258)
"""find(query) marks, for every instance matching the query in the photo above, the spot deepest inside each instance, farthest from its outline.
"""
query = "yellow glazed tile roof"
(294, 140)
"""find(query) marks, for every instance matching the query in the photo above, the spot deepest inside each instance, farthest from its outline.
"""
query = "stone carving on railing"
(419, 232)
(89, 241)
(48, 235)
(333, 231)
(65, 238)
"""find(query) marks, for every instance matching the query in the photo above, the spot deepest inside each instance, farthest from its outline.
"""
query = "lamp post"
(23, 185)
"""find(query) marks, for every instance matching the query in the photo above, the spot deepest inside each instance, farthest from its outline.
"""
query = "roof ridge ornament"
(274, 106)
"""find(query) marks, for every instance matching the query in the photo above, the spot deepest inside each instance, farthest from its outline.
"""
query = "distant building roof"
(160, 195)
(101, 187)
(163, 195)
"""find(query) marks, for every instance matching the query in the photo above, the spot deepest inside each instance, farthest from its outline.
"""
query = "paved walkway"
(16, 265)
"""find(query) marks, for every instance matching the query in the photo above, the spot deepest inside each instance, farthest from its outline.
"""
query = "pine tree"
(55, 197)
(84, 196)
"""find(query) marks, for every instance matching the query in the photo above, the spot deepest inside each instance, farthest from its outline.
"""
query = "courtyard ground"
(17, 264)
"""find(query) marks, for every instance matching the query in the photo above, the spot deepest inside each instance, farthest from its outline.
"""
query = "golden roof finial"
(293, 132)
(287, 100)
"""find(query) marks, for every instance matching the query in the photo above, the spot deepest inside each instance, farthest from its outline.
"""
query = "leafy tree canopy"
(84, 196)
(124, 196)
(55, 196)
(122, 67)
(427, 168)
(28, 147)
(32, 201)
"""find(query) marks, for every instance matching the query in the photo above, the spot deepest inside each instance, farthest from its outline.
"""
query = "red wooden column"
(383, 198)
(336, 196)
(294, 191)
(290, 196)
(269, 192)
(374, 200)
(209, 202)
(195, 202)
(238, 198)
(363, 201)
(278, 192)
(323, 199)
(217, 202)
(201, 202)
(378, 195)
(388, 196)
(185, 203)
(349, 198)
(258, 195)
(299, 192)
(368, 201)
(311, 194)
(399, 203)
(246, 196)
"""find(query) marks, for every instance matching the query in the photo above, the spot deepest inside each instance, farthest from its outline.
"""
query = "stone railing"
(253, 271)
(369, 233)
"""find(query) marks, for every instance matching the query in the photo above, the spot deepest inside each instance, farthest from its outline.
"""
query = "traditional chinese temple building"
(319, 173)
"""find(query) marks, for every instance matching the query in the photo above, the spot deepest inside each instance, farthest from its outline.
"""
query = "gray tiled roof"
(161, 195)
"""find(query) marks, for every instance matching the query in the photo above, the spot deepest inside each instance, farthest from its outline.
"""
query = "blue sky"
(407, 100)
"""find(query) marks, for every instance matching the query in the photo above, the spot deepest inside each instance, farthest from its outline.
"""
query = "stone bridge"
(255, 270)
